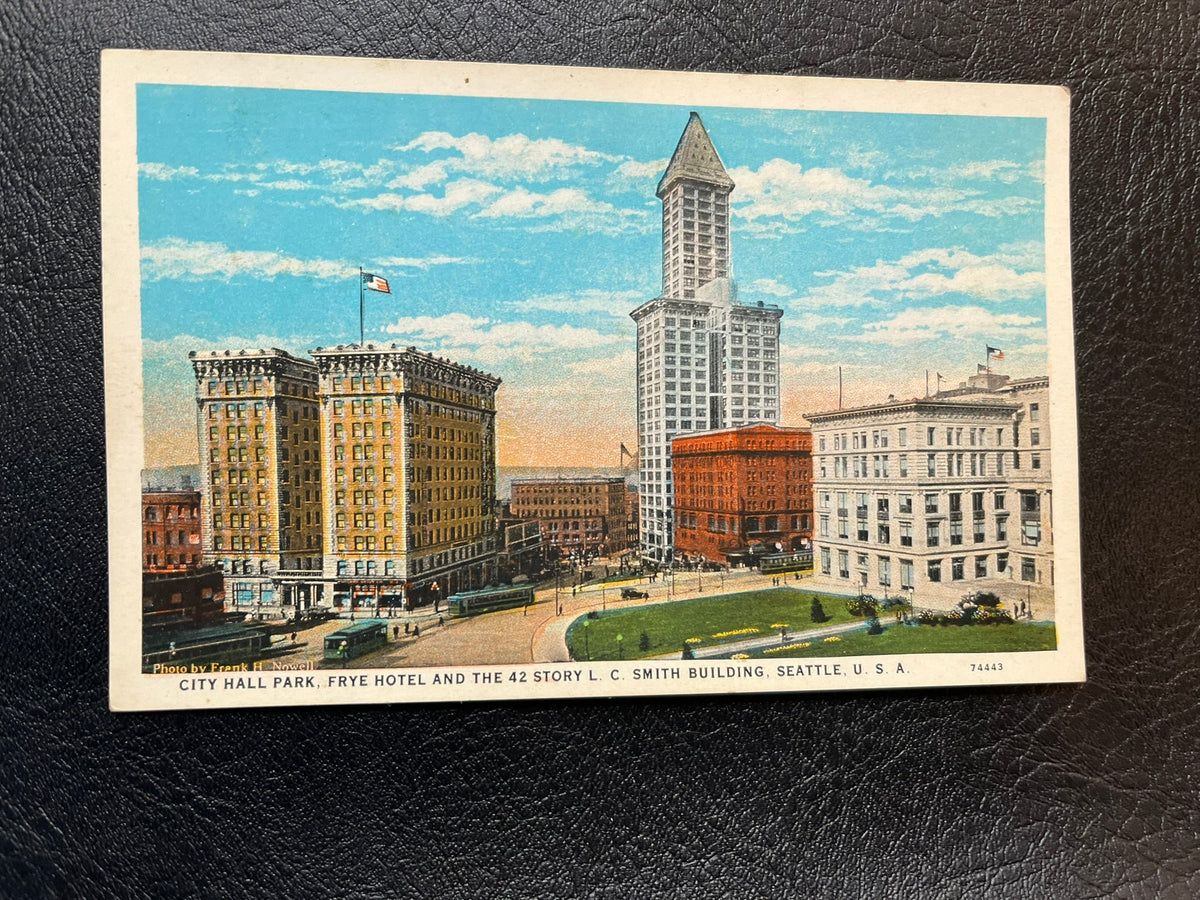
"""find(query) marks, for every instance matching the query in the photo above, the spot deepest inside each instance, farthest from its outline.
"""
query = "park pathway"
(724, 651)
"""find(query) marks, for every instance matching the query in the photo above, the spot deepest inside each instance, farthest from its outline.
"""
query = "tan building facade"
(409, 444)
(582, 515)
(365, 476)
(258, 419)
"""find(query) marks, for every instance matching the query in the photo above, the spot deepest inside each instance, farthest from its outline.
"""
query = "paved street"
(536, 634)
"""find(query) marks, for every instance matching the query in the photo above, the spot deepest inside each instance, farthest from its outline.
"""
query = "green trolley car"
(786, 563)
(473, 603)
(356, 640)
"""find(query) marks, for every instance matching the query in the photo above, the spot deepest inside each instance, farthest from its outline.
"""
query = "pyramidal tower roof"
(695, 159)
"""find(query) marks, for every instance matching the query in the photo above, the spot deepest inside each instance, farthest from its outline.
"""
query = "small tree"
(644, 642)
(875, 627)
(818, 611)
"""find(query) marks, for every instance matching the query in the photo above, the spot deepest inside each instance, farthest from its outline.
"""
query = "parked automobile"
(634, 594)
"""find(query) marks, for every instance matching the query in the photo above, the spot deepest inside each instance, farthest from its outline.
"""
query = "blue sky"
(518, 235)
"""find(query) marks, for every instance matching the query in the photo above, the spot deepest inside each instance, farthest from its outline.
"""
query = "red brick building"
(742, 491)
(170, 531)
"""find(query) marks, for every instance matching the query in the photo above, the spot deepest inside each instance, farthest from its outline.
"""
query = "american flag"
(375, 283)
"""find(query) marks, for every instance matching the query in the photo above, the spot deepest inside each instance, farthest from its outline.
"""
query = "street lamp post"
(587, 644)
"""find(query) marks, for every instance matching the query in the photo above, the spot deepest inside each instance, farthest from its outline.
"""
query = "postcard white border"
(123, 70)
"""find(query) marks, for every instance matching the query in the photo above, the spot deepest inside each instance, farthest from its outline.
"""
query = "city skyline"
(517, 236)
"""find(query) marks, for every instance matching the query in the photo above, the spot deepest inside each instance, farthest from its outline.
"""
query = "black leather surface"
(1081, 791)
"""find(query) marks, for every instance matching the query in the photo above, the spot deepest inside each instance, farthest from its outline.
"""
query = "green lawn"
(668, 625)
(929, 639)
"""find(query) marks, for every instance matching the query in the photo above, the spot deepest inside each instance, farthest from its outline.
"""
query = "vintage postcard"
(440, 381)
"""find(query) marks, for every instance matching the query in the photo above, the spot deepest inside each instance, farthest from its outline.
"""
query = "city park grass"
(668, 625)
(753, 613)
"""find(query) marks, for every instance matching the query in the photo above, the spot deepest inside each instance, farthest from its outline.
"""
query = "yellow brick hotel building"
(365, 476)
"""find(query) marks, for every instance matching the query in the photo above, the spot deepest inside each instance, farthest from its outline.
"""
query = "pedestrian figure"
(395, 632)
(343, 648)
(436, 602)
(416, 631)
(293, 637)
(351, 615)
(440, 620)
(407, 629)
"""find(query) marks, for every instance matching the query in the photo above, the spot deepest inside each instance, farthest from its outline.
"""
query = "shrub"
(863, 605)
(988, 599)
(644, 642)
(875, 627)
(818, 614)
(687, 652)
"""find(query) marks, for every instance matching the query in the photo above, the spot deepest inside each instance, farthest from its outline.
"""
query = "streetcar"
(473, 603)
(356, 640)
(786, 563)
(225, 644)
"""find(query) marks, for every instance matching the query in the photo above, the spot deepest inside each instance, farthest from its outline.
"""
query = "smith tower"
(694, 192)
(705, 361)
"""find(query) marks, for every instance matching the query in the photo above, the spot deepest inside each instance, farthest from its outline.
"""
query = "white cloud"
(334, 175)
(930, 273)
(511, 156)
(423, 263)
(565, 209)
(858, 158)
(781, 189)
(584, 302)
(785, 189)
(457, 196)
(633, 169)
(421, 177)
(194, 260)
(1006, 171)
(769, 286)
(913, 326)
(524, 204)
(490, 341)
(163, 172)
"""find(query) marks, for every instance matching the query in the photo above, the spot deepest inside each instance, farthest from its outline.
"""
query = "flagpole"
(361, 338)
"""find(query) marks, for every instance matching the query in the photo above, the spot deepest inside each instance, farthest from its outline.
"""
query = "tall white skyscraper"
(705, 361)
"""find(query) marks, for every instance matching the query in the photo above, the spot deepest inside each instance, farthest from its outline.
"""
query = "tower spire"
(695, 159)
(694, 191)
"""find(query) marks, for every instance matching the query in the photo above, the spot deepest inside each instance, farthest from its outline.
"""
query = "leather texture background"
(1079, 791)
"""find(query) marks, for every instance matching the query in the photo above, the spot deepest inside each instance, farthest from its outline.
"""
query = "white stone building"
(938, 497)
